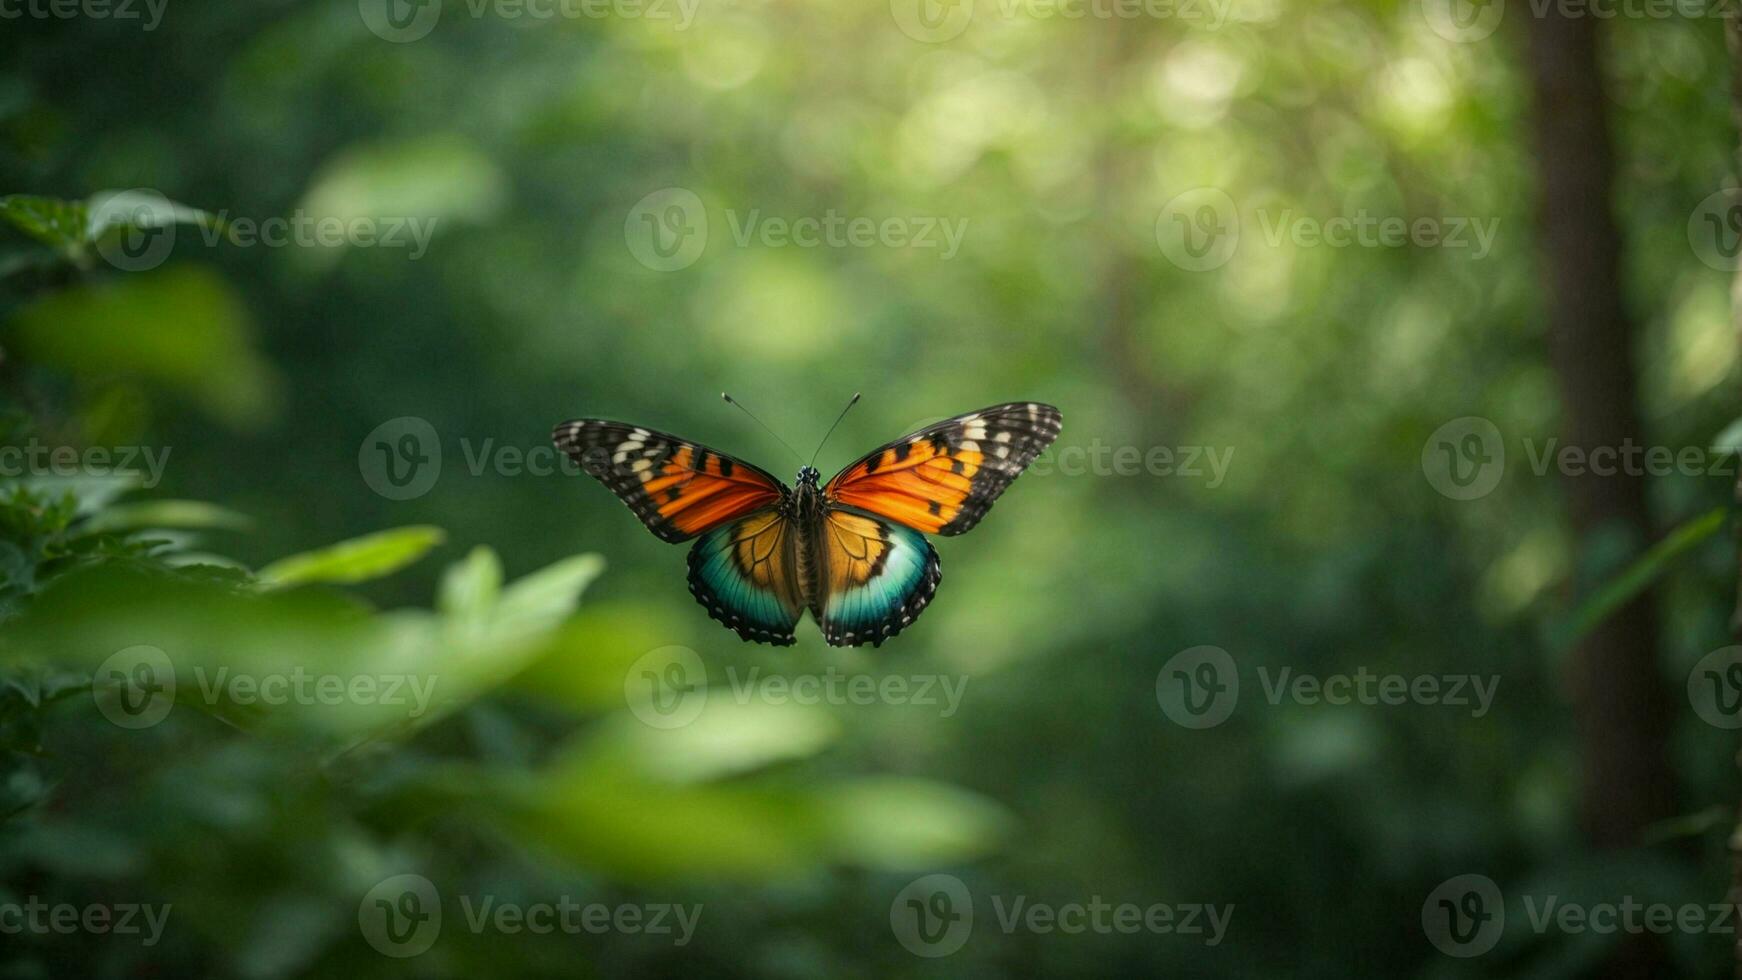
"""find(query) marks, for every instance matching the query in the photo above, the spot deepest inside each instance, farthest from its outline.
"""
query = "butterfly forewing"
(943, 478)
(679, 489)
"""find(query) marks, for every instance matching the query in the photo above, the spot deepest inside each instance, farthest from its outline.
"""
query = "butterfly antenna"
(826, 435)
(740, 407)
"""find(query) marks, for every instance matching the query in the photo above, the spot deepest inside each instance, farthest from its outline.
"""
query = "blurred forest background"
(551, 216)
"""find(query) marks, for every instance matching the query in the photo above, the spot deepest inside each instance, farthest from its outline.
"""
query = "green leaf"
(540, 601)
(435, 176)
(899, 823)
(113, 210)
(1639, 576)
(191, 514)
(92, 491)
(727, 738)
(49, 220)
(69, 226)
(361, 559)
(415, 185)
(470, 587)
(185, 332)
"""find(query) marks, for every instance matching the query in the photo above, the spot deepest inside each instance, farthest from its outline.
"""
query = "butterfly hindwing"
(943, 478)
(679, 489)
(745, 574)
(874, 578)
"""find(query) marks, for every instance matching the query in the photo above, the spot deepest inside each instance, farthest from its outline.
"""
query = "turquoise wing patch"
(879, 577)
(744, 574)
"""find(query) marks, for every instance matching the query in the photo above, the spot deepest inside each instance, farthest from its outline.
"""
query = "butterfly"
(852, 551)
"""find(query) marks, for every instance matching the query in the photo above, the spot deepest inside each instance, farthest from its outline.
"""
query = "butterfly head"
(809, 476)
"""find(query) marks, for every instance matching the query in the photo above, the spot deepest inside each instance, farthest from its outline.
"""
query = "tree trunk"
(1622, 708)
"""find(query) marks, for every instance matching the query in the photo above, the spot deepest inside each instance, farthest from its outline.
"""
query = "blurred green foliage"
(257, 375)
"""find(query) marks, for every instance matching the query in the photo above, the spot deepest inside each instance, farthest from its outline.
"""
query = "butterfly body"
(852, 552)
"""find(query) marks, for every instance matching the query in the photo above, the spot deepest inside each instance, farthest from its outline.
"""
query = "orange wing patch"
(694, 491)
(943, 478)
(922, 483)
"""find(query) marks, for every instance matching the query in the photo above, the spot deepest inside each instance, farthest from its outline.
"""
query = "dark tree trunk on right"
(1622, 708)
